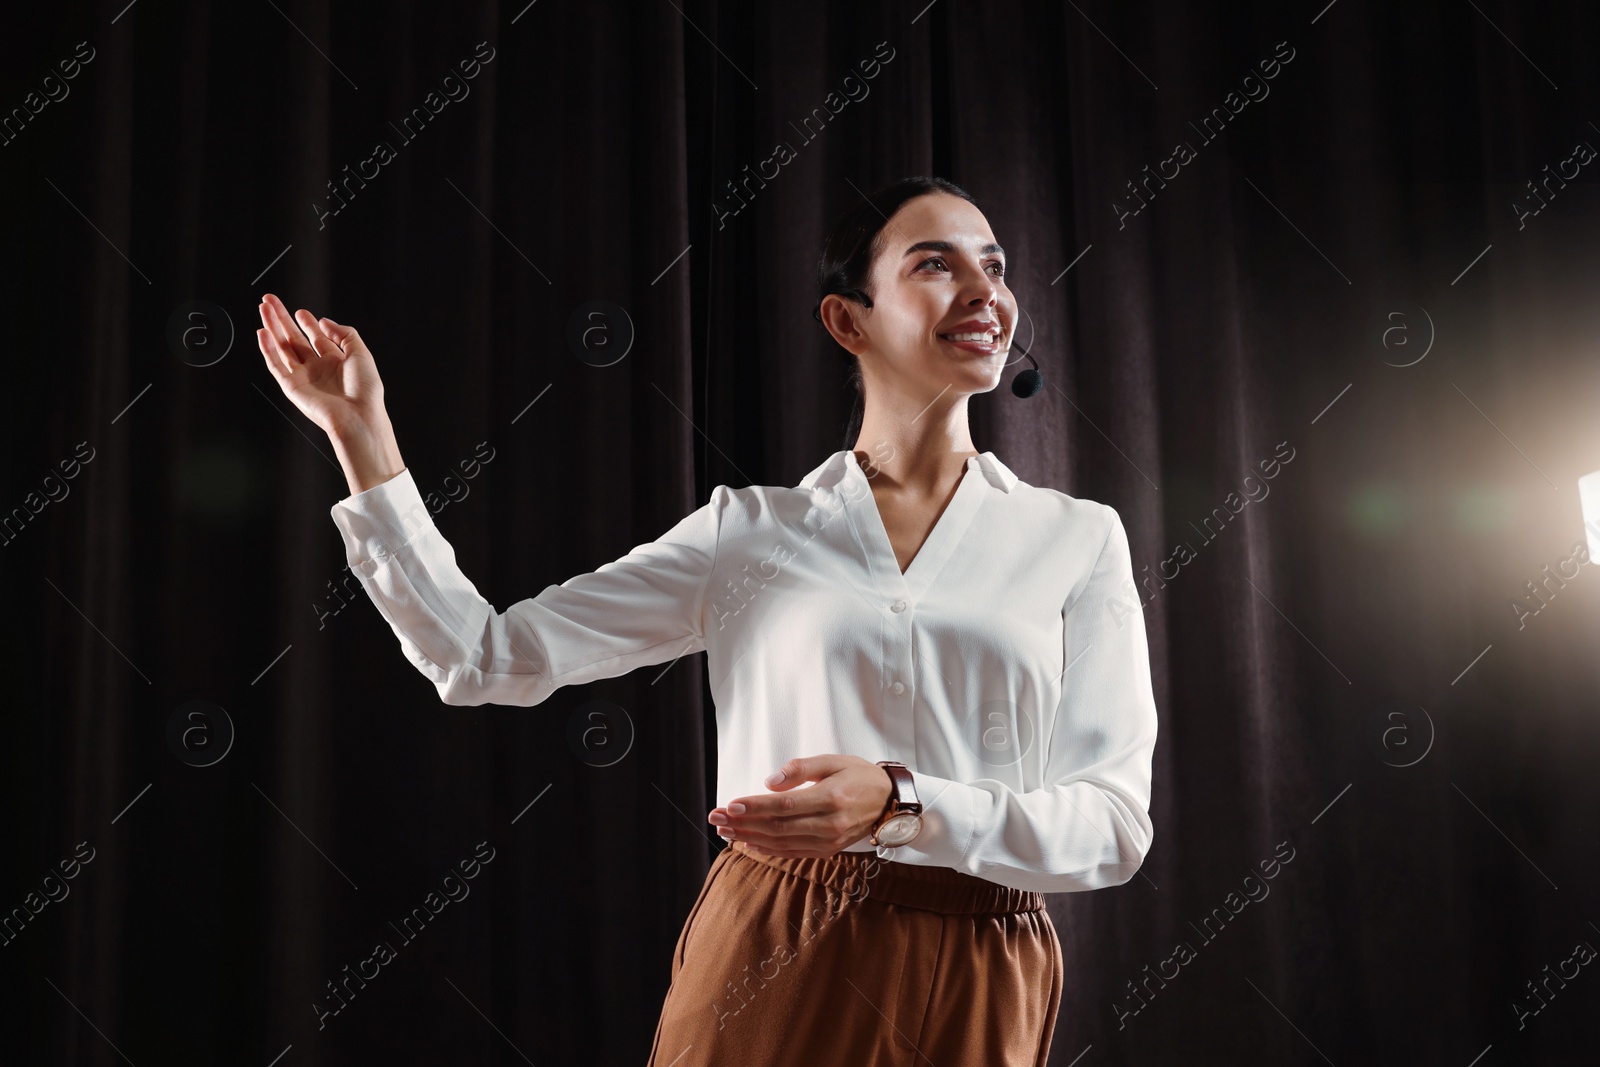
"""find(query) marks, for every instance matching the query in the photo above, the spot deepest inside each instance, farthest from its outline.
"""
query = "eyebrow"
(946, 246)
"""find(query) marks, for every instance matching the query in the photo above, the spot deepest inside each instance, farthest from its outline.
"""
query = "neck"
(914, 460)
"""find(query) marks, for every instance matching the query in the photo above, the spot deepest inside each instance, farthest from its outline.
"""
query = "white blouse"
(1006, 667)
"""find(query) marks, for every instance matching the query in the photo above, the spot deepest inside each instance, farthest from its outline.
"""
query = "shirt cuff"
(379, 521)
(949, 823)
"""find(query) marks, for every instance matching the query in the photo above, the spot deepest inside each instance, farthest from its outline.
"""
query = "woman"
(931, 659)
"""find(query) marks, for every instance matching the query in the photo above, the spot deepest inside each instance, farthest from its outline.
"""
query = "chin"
(976, 379)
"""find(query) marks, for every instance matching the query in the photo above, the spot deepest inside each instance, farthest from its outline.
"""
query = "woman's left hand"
(850, 795)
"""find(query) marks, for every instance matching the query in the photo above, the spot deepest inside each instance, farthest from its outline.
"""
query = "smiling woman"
(854, 246)
(953, 957)
(912, 666)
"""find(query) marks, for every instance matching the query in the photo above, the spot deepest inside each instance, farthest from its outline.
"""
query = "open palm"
(323, 367)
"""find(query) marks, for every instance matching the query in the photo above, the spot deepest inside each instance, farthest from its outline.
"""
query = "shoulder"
(1076, 511)
(754, 505)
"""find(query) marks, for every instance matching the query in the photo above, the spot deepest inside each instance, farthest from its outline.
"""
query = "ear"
(839, 314)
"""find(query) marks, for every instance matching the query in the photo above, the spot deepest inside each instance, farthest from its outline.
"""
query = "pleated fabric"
(858, 961)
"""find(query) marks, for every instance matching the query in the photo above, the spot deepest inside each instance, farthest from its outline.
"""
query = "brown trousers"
(854, 961)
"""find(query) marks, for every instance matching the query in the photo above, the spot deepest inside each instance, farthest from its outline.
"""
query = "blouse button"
(899, 687)
(898, 606)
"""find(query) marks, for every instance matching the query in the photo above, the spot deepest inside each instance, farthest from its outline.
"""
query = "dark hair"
(846, 262)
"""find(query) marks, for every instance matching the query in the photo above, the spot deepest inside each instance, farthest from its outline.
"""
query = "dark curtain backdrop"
(1337, 278)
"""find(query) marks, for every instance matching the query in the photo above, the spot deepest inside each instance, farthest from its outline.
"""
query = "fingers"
(331, 330)
(276, 318)
(320, 342)
(837, 810)
(804, 769)
(297, 334)
(346, 337)
(281, 355)
(819, 824)
(279, 363)
(287, 336)
(787, 775)
(811, 822)
(780, 805)
(304, 336)
(268, 354)
(816, 828)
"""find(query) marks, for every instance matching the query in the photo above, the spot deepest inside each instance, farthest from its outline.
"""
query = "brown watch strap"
(903, 792)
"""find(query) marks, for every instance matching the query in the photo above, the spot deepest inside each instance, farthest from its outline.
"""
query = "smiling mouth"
(973, 341)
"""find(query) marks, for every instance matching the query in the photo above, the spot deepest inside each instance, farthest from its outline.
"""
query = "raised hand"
(323, 367)
(329, 374)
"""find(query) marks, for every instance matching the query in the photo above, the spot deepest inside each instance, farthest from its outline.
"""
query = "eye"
(1001, 273)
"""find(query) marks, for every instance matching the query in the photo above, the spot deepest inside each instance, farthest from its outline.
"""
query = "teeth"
(986, 336)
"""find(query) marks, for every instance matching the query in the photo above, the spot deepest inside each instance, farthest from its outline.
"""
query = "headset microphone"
(1027, 383)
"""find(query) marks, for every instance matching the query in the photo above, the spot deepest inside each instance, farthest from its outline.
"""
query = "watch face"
(900, 829)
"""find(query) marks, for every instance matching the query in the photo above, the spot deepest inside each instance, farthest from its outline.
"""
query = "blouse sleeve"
(1090, 827)
(645, 608)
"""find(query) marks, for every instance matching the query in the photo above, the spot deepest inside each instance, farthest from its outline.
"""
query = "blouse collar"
(830, 470)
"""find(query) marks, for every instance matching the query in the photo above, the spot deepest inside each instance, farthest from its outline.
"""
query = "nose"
(984, 292)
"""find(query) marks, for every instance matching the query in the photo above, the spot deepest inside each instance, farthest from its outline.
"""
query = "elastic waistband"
(862, 875)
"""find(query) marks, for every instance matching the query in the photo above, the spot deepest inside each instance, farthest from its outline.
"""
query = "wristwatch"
(901, 821)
